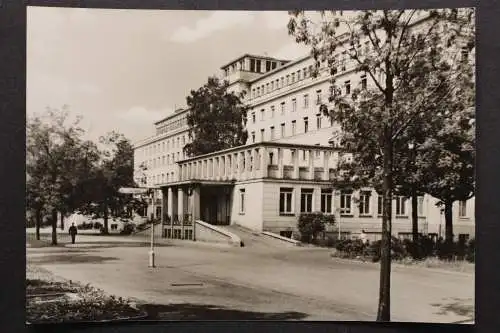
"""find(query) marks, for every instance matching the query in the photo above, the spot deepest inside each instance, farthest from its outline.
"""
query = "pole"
(151, 250)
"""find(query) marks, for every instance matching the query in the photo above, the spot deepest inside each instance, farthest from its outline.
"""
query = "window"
(272, 111)
(342, 61)
(242, 201)
(262, 134)
(267, 88)
(318, 121)
(258, 91)
(464, 54)
(294, 105)
(286, 195)
(306, 124)
(363, 81)
(380, 204)
(293, 77)
(298, 76)
(282, 108)
(253, 117)
(272, 85)
(287, 79)
(273, 66)
(306, 196)
(163, 160)
(272, 132)
(345, 203)
(294, 123)
(347, 87)
(268, 66)
(283, 130)
(364, 203)
(462, 208)
(253, 137)
(400, 206)
(282, 82)
(262, 114)
(420, 206)
(306, 101)
(258, 69)
(326, 200)
(318, 97)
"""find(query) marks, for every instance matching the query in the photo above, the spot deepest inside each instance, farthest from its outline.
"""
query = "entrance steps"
(256, 239)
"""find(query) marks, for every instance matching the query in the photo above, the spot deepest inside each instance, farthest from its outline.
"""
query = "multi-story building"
(286, 166)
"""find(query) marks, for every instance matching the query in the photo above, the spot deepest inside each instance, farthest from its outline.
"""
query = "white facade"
(284, 127)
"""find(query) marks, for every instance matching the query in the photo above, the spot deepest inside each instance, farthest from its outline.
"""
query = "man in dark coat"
(73, 231)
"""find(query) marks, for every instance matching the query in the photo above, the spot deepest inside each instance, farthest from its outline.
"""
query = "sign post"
(150, 193)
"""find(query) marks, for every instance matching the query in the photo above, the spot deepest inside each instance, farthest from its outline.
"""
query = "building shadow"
(187, 311)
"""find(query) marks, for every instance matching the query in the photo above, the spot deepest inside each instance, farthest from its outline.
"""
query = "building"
(285, 167)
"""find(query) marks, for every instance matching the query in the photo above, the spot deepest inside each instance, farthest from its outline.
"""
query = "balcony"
(262, 160)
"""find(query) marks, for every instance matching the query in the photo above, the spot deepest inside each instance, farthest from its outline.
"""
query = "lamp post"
(152, 249)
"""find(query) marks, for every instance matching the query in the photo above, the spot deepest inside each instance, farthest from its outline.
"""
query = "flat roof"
(175, 113)
(253, 56)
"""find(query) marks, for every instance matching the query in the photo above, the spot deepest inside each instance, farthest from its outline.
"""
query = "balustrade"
(262, 160)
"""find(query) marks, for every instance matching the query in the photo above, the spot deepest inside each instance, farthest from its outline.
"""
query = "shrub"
(310, 224)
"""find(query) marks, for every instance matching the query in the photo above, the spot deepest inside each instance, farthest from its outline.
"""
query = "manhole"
(186, 284)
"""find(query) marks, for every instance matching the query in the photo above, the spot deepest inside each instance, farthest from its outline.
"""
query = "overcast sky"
(124, 69)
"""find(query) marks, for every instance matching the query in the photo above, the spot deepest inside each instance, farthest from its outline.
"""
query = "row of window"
(305, 101)
(161, 178)
(293, 129)
(286, 202)
(164, 160)
(340, 62)
(168, 144)
(171, 126)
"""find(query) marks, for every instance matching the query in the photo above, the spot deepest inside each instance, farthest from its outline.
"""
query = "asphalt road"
(196, 281)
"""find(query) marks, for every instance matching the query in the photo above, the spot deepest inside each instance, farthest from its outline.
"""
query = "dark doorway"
(216, 204)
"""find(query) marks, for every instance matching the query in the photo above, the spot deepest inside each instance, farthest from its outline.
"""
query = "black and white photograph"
(250, 165)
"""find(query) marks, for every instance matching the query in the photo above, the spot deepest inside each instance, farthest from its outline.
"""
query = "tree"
(114, 170)
(216, 119)
(412, 71)
(311, 224)
(53, 155)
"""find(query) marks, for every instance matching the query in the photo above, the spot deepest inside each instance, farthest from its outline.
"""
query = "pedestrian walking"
(73, 231)
(363, 237)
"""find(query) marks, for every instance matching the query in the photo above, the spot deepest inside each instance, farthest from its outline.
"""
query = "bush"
(470, 251)
(128, 229)
(310, 224)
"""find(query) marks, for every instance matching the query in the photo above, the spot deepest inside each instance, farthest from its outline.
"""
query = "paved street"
(216, 282)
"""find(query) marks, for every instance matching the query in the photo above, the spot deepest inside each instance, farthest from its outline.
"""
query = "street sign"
(133, 190)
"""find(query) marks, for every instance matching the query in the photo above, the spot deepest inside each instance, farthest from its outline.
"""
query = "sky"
(123, 70)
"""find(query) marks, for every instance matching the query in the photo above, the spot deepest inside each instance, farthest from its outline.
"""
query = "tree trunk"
(106, 231)
(384, 305)
(54, 227)
(448, 218)
(38, 222)
(62, 221)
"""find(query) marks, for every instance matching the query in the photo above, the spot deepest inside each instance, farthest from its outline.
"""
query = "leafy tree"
(114, 170)
(53, 155)
(311, 224)
(411, 70)
(216, 119)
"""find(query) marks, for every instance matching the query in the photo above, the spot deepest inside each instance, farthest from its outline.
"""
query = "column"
(311, 164)
(280, 162)
(263, 162)
(196, 203)
(243, 166)
(222, 167)
(164, 207)
(296, 169)
(230, 166)
(236, 165)
(326, 166)
(180, 203)
(170, 208)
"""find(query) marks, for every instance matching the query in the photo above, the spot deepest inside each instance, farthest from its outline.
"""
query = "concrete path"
(241, 283)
